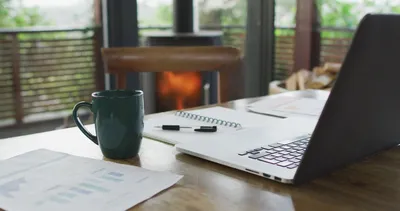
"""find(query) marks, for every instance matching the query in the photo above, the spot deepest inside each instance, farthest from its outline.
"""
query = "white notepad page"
(227, 121)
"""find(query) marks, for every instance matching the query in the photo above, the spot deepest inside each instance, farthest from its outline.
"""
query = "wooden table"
(373, 184)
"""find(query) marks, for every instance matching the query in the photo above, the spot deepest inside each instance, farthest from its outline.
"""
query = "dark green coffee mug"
(118, 119)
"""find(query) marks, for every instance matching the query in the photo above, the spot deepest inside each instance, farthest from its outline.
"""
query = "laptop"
(361, 117)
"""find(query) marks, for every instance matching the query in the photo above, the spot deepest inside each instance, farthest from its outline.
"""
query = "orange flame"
(181, 85)
(179, 103)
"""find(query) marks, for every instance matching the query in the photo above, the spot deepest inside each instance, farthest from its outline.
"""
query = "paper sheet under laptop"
(46, 180)
(289, 107)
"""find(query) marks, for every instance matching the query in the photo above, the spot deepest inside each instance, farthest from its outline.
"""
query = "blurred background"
(49, 50)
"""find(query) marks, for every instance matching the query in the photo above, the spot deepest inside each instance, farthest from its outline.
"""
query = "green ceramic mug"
(118, 118)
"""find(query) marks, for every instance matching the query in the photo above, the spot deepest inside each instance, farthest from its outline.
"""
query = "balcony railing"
(43, 72)
(335, 43)
(284, 51)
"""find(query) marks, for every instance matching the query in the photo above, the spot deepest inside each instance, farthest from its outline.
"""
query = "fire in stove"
(179, 90)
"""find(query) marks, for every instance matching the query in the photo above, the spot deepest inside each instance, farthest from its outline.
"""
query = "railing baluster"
(99, 71)
(19, 113)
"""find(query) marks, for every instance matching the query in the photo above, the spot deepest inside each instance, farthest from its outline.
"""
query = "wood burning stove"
(179, 90)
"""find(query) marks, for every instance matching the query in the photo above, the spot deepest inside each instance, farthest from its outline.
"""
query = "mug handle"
(78, 122)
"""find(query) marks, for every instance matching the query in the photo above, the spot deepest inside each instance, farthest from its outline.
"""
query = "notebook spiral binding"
(207, 119)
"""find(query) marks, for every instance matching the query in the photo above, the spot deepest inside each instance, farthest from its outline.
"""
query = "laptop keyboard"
(286, 155)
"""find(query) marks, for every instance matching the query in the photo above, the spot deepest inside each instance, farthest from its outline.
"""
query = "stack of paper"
(289, 106)
(47, 180)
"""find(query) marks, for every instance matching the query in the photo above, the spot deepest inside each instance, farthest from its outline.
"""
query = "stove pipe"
(185, 16)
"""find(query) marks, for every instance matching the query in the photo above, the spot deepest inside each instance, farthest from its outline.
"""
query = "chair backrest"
(226, 60)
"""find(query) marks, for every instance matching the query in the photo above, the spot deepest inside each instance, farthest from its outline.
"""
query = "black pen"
(206, 129)
(178, 127)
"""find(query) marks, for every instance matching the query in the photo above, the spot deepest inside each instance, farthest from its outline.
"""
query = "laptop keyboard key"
(268, 160)
(291, 150)
(295, 154)
(267, 147)
(305, 141)
(285, 147)
(291, 166)
(278, 149)
(243, 153)
(288, 156)
(302, 148)
(275, 145)
(281, 159)
(284, 152)
(256, 156)
(284, 163)
(254, 152)
(301, 151)
(276, 154)
(295, 160)
(297, 148)
(269, 157)
(270, 151)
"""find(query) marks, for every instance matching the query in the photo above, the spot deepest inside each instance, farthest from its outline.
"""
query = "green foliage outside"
(22, 17)
(342, 14)
(164, 14)
(333, 13)
(234, 12)
(348, 14)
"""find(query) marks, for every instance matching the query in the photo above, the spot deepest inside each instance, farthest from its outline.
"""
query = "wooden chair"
(226, 60)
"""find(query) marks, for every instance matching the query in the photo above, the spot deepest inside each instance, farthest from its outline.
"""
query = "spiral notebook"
(227, 121)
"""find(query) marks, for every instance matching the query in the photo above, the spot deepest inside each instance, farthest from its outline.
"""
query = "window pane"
(154, 15)
(226, 15)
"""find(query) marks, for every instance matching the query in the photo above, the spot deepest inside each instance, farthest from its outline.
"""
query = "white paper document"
(289, 107)
(47, 180)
